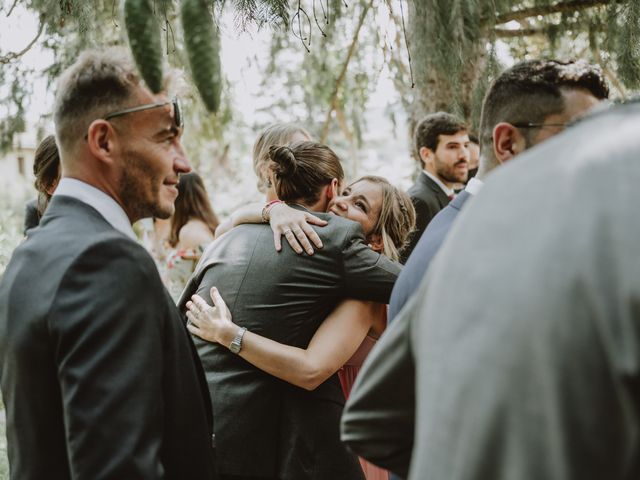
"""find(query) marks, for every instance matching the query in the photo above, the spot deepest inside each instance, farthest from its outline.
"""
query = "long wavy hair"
(46, 169)
(397, 217)
(192, 203)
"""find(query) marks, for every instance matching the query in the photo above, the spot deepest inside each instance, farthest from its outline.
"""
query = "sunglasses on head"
(177, 113)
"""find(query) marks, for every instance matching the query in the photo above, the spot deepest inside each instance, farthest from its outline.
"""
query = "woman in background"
(192, 228)
(274, 135)
(46, 169)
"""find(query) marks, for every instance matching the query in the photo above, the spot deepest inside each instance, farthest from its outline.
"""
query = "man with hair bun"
(266, 428)
(99, 375)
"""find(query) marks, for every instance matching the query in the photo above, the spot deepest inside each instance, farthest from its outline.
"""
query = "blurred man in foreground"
(534, 373)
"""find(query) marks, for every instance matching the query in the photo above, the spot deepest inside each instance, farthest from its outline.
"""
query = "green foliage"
(13, 104)
(143, 32)
(452, 41)
(629, 45)
(452, 45)
(260, 12)
(203, 50)
(11, 221)
(492, 69)
(309, 72)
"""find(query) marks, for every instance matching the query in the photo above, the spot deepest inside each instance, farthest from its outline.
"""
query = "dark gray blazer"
(31, 215)
(428, 199)
(527, 359)
(99, 376)
(264, 426)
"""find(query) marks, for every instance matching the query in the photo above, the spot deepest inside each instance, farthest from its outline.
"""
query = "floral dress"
(180, 264)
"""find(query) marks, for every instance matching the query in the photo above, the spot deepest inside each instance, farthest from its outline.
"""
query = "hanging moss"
(628, 51)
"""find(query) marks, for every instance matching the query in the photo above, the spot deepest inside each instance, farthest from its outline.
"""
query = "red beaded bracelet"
(267, 207)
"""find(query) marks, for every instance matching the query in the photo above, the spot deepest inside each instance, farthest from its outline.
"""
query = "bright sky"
(16, 32)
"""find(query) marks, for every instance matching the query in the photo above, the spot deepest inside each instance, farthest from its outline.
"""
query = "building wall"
(16, 166)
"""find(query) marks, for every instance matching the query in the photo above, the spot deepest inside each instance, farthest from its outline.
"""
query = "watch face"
(234, 347)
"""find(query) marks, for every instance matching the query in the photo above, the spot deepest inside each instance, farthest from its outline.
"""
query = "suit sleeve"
(31, 216)
(424, 214)
(107, 322)
(367, 274)
(379, 416)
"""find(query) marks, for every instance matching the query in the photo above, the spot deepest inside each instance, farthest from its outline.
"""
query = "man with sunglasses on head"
(99, 375)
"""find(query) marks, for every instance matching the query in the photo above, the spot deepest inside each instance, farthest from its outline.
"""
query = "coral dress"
(347, 375)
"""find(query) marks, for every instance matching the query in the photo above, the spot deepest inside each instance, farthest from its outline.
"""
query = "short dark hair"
(302, 169)
(432, 126)
(530, 91)
(473, 138)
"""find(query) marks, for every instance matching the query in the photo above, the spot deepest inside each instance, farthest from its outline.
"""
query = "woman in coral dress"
(348, 374)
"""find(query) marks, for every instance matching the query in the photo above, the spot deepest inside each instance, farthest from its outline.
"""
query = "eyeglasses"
(540, 125)
(177, 113)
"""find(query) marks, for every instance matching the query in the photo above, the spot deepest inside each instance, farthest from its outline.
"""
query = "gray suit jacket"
(418, 262)
(265, 426)
(527, 360)
(99, 376)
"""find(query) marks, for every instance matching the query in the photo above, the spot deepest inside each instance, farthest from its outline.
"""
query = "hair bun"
(284, 159)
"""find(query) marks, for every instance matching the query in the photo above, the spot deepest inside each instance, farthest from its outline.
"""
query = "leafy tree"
(452, 46)
(452, 43)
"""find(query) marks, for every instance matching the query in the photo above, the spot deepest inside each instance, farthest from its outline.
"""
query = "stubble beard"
(449, 174)
(140, 192)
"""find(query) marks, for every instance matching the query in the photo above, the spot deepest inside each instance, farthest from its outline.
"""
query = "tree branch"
(520, 32)
(563, 6)
(15, 2)
(529, 31)
(11, 56)
(343, 72)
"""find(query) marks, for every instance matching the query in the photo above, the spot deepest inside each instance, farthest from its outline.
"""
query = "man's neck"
(319, 206)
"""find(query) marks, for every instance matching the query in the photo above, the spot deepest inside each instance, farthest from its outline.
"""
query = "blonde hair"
(274, 135)
(397, 217)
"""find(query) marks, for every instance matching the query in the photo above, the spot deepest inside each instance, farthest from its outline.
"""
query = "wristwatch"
(236, 344)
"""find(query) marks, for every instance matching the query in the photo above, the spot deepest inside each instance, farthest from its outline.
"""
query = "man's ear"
(102, 140)
(332, 189)
(426, 156)
(507, 142)
(375, 242)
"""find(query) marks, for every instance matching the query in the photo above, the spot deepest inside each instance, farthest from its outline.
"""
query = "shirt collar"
(448, 191)
(103, 203)
(474, 186)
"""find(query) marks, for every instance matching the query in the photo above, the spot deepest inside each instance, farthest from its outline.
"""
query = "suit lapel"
(442, 197)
